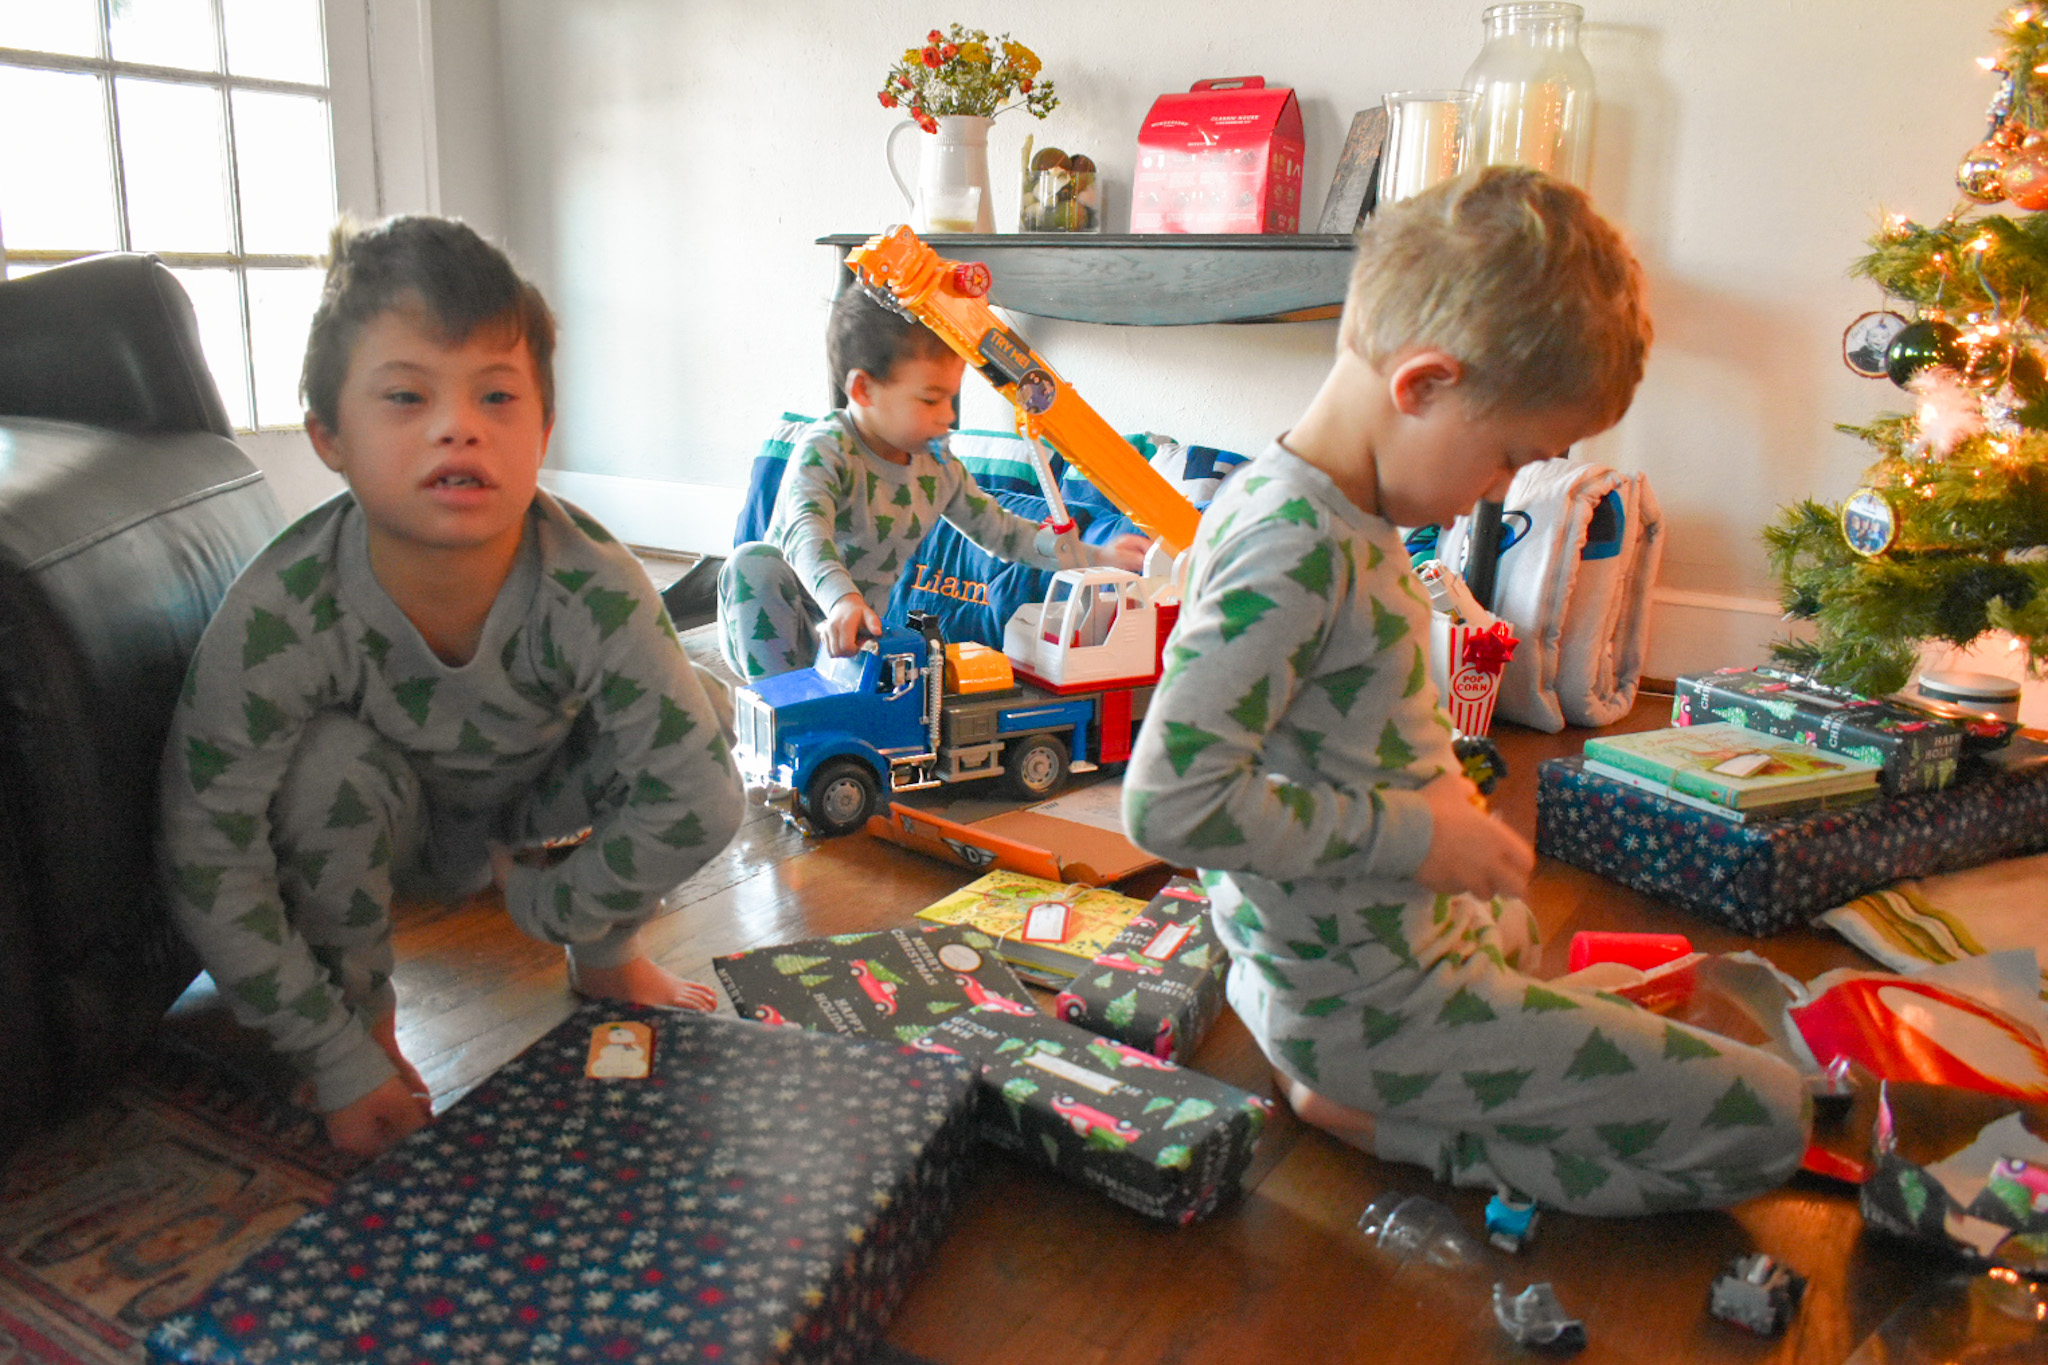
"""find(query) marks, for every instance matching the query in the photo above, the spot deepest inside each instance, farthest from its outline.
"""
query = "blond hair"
(1515, 275)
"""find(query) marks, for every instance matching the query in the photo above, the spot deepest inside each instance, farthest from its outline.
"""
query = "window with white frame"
(200, 130)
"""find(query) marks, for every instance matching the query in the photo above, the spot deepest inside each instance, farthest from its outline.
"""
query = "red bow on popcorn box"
(1467, 660)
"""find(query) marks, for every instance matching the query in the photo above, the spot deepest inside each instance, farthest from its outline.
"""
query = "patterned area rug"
(132, 1210)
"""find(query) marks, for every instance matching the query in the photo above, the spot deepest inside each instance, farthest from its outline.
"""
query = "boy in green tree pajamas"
(1296, 753)
(440, 676)
(862, 488)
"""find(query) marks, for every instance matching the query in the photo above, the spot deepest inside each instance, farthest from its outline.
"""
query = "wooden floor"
(1038, 1269)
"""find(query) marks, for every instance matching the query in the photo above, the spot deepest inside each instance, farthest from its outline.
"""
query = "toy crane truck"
(1069, 687)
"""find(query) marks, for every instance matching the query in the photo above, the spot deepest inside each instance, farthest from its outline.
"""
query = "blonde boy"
(1296, 753)
(440, 676)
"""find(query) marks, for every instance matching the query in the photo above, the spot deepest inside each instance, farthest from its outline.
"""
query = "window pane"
(172, 154)
(218, 302)
(281, 304)
(281, 40)
(56, 187)
(286, 169)
(67, 26)
(167, 33)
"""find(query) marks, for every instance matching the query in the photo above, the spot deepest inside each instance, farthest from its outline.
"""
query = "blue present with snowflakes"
(758, 1194)
(1761, 876)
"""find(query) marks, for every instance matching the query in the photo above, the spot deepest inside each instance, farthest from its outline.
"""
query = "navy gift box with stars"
(1766, 875)
(764, 1195)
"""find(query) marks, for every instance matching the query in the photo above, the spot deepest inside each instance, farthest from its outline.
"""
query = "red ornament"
(2026, 178)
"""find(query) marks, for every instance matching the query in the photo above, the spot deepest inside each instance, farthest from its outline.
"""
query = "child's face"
(1442, 460)
(913, 406)
(441, 444)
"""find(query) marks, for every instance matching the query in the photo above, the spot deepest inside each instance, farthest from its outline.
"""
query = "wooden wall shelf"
(1153, 280)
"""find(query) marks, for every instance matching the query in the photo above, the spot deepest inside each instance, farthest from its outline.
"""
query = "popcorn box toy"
(754, 1194)
(1466, 662)
(1159, 984)
(1226, 156)
(1170, 1143)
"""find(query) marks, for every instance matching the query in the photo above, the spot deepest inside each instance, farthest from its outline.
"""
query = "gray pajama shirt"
(322, 755)
(1282, 755)
(847, 520)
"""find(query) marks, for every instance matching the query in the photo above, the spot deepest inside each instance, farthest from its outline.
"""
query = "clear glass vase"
(1535, 90)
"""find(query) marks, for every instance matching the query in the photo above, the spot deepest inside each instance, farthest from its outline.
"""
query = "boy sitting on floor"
(440, 675)
(863, 486)
(1296, 753)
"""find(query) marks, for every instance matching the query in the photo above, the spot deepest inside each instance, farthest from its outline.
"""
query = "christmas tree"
(1948, 537)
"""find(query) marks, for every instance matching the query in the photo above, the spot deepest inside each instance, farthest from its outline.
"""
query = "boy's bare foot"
(1354, 1127)
(643, 983)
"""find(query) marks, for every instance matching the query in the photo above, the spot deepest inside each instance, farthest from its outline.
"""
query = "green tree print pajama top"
(847, 520)
(1281, 755)
(322, 752)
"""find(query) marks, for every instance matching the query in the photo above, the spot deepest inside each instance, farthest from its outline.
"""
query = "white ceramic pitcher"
(952, 193)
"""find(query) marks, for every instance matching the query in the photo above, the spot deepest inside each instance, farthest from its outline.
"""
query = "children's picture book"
(1805, 805)
(895, 985)
(1731, 766)
(1047, 930)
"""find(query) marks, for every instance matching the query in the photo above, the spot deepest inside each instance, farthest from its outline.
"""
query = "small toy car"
(1756, 1292)
(1534, 1317)
(1510, 1220)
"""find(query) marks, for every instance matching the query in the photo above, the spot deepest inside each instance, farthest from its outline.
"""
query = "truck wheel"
(841, 797)
(1037, 766)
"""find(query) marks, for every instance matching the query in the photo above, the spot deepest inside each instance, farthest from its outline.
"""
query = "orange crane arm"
(948, 297)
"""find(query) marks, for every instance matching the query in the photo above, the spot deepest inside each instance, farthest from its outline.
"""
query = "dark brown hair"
(439, 266)
(869, 335)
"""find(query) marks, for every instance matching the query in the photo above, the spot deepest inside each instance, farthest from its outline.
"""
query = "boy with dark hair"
(440, 675)
(862, 488)
(1296, 753)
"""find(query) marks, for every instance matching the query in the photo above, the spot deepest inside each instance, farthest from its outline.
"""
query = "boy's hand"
(379, 1120)
(850, 619)
(1469, 850)
(1129, 552)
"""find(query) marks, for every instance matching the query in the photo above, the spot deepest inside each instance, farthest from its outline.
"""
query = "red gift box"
(1223, 157)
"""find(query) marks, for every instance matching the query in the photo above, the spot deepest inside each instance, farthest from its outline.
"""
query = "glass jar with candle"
(1535, 90)
(1429, 134)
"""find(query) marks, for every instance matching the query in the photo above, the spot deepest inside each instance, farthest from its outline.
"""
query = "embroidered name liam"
(965, 590)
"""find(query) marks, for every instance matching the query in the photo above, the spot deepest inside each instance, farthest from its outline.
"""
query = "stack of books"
(1733, 772)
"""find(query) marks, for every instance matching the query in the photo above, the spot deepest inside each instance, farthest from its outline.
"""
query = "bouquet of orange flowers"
(964, 71)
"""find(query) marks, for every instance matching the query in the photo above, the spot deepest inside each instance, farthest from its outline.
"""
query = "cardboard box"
(1224, 157)
(1170, 1143)
(1159, 985)
(765, 1194)
(1076, 837)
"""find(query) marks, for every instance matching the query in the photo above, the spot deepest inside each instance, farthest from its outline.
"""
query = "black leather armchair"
(125, 512)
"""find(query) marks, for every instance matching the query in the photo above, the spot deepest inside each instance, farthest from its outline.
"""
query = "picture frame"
(1354, 188)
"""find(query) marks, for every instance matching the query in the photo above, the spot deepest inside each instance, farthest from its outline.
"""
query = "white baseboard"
(696, 518)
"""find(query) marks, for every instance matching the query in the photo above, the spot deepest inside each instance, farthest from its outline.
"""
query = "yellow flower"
(911, 56)
(1021, 57)
(974, 52)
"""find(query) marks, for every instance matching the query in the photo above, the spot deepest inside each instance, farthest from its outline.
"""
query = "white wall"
(671, 164)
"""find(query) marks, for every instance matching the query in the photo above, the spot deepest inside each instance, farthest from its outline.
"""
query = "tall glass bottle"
(1535, 90)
